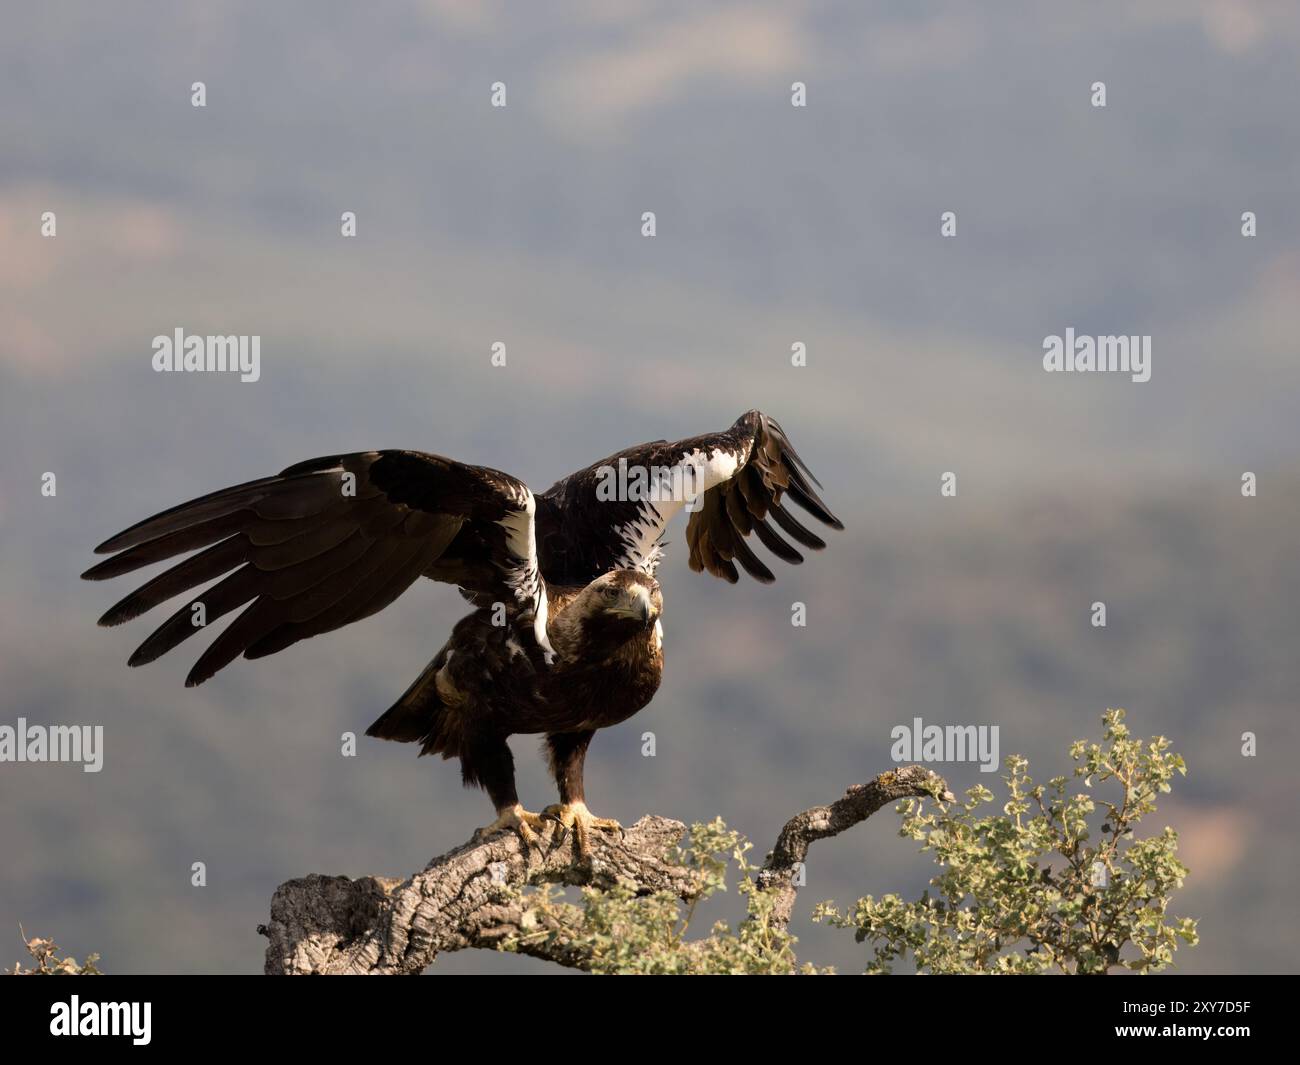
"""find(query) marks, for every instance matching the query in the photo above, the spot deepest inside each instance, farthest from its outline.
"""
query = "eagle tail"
(417, 715)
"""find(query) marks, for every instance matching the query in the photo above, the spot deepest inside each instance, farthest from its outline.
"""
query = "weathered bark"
(468, 896)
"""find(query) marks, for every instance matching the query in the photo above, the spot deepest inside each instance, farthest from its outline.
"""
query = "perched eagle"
(565, 636)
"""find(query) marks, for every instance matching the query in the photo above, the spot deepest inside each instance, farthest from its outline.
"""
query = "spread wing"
(326, 543)
(734, 485)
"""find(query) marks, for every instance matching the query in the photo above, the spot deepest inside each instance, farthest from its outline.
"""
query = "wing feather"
(792, 528)
(749, 472)
(325, 543)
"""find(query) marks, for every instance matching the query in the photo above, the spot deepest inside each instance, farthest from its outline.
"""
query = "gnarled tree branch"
(822, 822)
(469, 897)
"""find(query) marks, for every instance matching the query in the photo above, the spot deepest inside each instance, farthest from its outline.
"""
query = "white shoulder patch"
(678, 487)
(518, 524)
(526, 580)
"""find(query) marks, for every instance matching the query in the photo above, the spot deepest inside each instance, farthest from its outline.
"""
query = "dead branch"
(781, 869)
(469, 897)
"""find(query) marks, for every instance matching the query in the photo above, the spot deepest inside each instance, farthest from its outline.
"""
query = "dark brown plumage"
(564, 638)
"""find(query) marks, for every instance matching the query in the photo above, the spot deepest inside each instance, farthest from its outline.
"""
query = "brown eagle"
(565, 636)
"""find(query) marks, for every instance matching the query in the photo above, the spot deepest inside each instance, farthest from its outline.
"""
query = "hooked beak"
(640, 608)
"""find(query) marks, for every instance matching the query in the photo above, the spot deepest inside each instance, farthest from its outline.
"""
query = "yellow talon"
(520, 820)
(577, 817)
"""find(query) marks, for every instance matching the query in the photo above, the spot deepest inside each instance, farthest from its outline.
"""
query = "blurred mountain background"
(775, 225)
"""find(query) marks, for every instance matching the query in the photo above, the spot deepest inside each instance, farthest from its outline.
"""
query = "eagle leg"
(485, 760)
(567, 753)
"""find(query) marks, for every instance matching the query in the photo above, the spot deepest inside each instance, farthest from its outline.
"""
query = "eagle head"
(623, 598)
(616, 610)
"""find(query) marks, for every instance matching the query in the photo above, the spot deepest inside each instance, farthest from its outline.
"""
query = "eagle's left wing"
(324, 544)
(613, 514)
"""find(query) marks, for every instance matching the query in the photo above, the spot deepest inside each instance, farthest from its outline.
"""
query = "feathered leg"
(487, 762)
(567, 752)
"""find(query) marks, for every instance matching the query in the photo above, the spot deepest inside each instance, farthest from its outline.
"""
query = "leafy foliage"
(1034, 889)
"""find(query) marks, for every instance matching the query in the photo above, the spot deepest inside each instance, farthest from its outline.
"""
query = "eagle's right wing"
(613, 514)
(326, 543)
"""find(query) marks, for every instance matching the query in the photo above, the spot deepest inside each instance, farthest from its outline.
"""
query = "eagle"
(565, 636)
